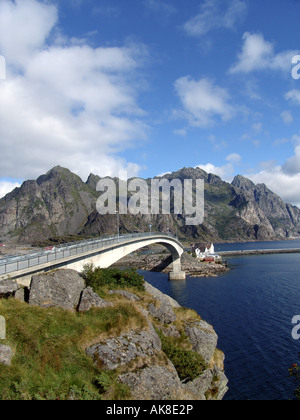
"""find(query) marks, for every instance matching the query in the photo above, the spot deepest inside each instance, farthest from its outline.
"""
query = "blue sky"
(149, 87)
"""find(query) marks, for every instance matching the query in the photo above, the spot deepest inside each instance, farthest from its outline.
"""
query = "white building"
(203, 250)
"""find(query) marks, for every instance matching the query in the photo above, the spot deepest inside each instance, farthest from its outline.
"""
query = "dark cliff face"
(59, 203)
(266, 210)
(56, 204)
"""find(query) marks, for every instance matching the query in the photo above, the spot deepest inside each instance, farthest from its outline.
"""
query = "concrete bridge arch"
(102, 252)
(113, 254)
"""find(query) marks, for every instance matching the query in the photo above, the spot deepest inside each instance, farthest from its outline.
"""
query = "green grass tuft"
(49, 359)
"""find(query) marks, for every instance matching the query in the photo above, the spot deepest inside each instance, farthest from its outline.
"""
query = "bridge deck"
(23, 264)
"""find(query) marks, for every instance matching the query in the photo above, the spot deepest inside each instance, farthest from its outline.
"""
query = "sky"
(150, 87)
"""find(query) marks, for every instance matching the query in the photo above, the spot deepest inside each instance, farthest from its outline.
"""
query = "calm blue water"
(251, 309)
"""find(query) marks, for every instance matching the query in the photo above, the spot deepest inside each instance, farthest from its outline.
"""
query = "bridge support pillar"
(177, 274)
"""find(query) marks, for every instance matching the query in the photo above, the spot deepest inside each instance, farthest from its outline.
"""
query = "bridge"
(102, 252)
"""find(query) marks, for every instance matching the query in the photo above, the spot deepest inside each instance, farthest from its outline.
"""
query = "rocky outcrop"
(119, 351)
(149, 359)
(203, 338)
(152, 376)
(163, 314)
(64, 289)
(89, 299)
(155, 383)
(161, 297)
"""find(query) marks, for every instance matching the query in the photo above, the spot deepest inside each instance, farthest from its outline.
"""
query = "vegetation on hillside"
(96, 278)
(49, 345)
(49, 359)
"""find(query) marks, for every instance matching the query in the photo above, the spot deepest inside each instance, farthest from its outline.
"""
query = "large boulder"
(90, 299)
(8, 288)
(60, 288)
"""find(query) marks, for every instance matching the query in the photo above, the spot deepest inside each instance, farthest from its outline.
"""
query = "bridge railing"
(21, 262)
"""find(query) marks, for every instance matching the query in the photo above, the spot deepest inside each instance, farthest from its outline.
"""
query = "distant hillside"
(60, 205)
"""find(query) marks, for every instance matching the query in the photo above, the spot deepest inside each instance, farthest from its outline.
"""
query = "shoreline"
(162, 262)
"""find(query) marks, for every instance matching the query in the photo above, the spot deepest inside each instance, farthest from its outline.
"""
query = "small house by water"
(205, 252)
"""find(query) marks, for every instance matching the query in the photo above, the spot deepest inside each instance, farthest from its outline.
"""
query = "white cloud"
(259, 54)
(180, 132)
(216, 14)
(24, 27)
(293, 96)
(285, 185)
(225, 172)
(292, 165)
(67, 104)
(287, 117)
(159, 6)
(234, 158)
(284, 180)
(202, 101)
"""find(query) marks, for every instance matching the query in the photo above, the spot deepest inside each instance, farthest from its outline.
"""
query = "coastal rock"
(143, 363)
(119, 351)
(199, 386)
(161, 297)
(190, 265)
(196, 268)
(203, 338)
(60, 288)
(154, 383)
(90, 299)
(5, 355)
(220, 384)
(211, 385)
(164, 313)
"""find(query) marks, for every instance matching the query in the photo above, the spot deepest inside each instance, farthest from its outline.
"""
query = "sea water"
(251, 309)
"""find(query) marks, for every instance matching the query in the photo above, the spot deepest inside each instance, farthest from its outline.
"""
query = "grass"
(97, 278)
(188, 363)
(49, 350)
(49, 360)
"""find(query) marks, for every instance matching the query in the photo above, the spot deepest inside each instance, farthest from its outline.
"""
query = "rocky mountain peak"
(59, 174)
(92, 181)
(243, 183)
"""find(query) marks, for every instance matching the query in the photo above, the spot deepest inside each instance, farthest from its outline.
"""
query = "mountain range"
(59, 206)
